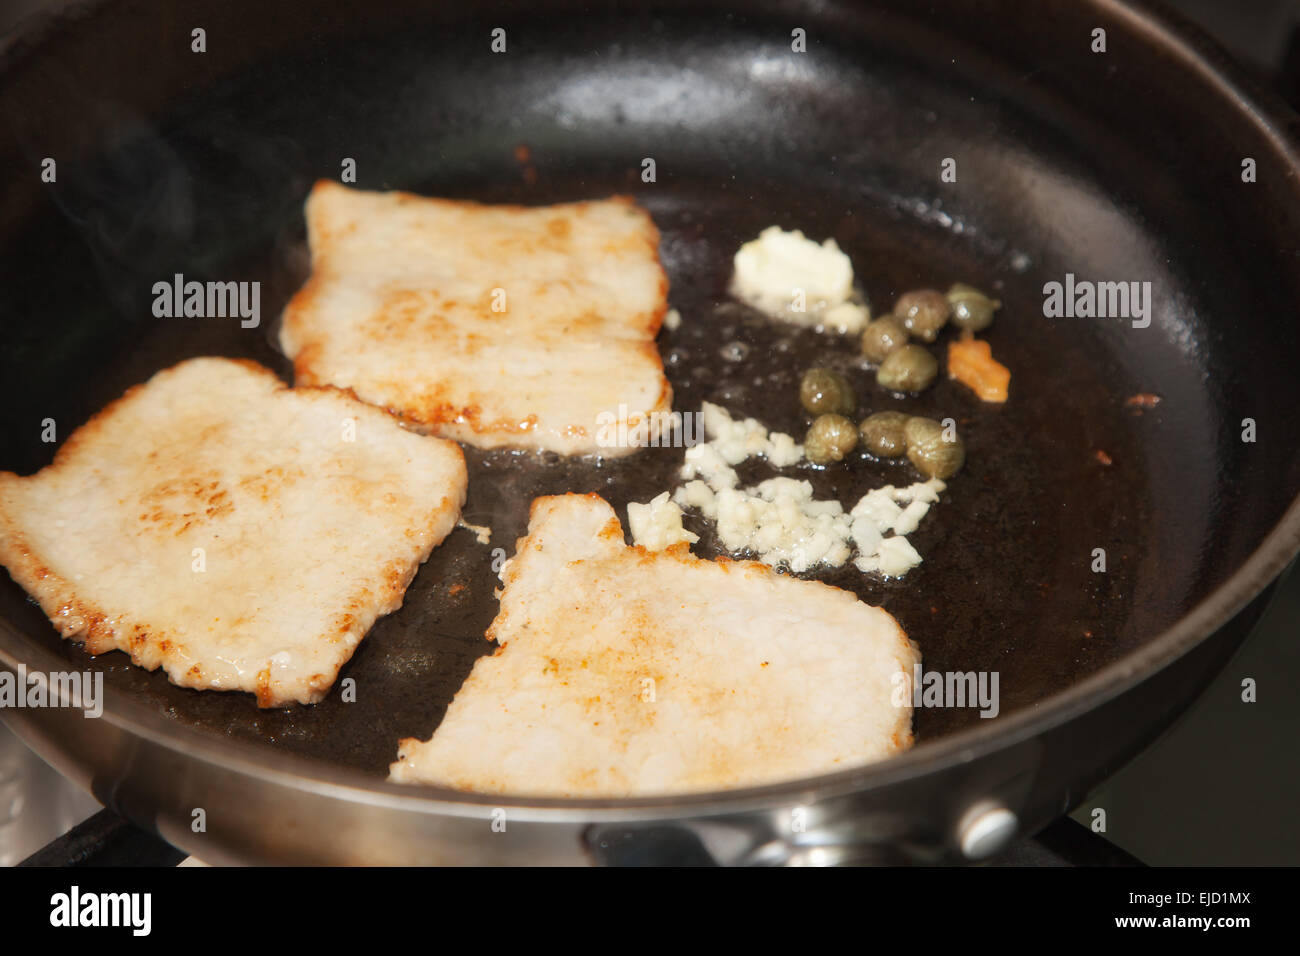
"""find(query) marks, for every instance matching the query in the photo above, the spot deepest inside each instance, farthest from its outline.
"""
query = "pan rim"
(1159, 25)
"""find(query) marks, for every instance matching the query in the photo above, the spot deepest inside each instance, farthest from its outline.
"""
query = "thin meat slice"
(527, 327)
(236, 533)
(624, 672)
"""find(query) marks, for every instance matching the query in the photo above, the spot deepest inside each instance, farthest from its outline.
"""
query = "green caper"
(823, 391)
(923, 312)
(908, 369)
(882, 434)
(971, 308)
(881, 337)
(934, 453)
(830, 438)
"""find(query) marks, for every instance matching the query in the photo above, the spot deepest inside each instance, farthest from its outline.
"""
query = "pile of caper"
(828, 395)
(902, 366)
(894, 434)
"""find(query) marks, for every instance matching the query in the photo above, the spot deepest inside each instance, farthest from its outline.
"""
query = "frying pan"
(1122, 165)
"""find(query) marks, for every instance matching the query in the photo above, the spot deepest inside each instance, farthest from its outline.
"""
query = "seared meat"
(236, 533)
(625, 672)
(492, 325)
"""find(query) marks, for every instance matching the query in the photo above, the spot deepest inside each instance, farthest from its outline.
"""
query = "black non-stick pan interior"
(207, 176)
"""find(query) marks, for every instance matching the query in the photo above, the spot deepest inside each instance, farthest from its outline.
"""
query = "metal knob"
(987, 830)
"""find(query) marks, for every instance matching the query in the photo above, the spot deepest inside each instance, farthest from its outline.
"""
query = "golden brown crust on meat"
(623, 671)
(119, 499)
(426, 342)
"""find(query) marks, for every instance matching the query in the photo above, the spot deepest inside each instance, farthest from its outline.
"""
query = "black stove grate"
(106, 840)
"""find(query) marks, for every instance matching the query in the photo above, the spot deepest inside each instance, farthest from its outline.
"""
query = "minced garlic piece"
(737, 439)
(657, 524)
(894, 558)
(879, 512)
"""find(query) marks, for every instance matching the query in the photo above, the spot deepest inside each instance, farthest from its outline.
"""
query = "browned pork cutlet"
(236, 533)
(627, 672)
(525, 327)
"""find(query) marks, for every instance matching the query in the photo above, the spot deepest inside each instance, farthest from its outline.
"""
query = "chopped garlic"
(927, 491)
(793, 278)
(782, 450)
(657, 524)
(779, 520)
(881, 505)
(705, 461)
(672, 320)
(878, 507)
(847, 317)
(698, 495)
(878, 512)
(911, 517)
(866, 534)
(894, 558)
(735, 440)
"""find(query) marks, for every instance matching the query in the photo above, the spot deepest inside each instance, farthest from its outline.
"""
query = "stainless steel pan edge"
(269, 808)
(264, 809)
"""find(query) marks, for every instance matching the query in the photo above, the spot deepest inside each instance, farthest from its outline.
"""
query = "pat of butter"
(791, 276)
